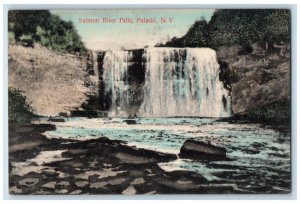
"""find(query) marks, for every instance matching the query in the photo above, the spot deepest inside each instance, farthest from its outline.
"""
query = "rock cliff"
(255, 75)
(53, 82)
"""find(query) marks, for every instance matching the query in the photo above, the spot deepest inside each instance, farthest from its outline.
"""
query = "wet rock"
(140, 156)
(135, 173)
(129, 191)
(33, 164)
(56, 119)
(250, 150)
(278, 155)
(28, 182)
(63, 184)
(133, 159)
(77, 151)
(93, 178)
(183, 175)
(62, 191)
(178, 185)
(49, 184)
(42, 192)
(130, 122)
(200, 150)
(258, 145)
(98, 184)
(106, 165)
(15, 190)
(149, 171)
(82, 183)
(151, 193)
(76, 192)
(137, 181)
(117, 181)
(185, 182)
(62, 114)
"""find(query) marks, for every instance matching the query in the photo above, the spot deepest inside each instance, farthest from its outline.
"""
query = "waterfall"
(115, 64)
(177, 82)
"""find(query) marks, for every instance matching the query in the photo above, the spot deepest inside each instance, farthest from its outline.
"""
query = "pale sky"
(105, 36)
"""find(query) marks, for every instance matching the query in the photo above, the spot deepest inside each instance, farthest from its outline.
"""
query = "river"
(258, 157)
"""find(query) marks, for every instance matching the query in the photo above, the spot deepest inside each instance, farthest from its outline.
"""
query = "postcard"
(149, 101)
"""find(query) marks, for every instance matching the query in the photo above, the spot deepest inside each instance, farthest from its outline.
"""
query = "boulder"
(200, 150)
(56, 119)
(130, 122)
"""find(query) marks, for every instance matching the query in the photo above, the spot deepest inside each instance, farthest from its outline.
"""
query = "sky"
(109, 36)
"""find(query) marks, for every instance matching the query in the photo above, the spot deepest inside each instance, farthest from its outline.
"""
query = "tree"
(235, 26)
(40, 26)
(278, 26)
(197, 35)
(26, 21)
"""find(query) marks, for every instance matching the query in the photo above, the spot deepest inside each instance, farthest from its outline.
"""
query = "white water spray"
(178, 82)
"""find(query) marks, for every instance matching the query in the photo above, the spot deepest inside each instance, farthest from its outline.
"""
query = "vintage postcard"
(149, 101)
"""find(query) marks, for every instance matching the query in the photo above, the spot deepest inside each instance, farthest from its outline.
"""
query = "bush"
(276, 115)
(18, 109)
(26, 40)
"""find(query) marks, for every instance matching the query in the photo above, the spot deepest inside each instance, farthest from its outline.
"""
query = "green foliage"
(174, 42)
(237, 26)
(18, 109)
(279, 26)
(276, 114)
(197, 35)
(234, 26)
(40, 26)
(245, 26)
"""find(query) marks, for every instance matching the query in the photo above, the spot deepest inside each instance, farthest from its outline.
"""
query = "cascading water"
(115, 64)
(177, 82)
(183, 82)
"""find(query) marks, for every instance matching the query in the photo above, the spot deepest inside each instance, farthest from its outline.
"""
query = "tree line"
(40, 26)
(237, 26)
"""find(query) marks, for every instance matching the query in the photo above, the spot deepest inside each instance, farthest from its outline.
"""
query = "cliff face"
(52, 82)
(258, 76)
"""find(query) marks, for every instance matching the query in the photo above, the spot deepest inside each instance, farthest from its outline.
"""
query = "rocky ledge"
(100, 166)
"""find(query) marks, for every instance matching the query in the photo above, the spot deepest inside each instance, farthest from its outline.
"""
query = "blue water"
(258, 157)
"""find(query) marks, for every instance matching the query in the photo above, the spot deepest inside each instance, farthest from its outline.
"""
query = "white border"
(212, 4)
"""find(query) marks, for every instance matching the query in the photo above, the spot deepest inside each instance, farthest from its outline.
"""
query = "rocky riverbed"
(39, 165)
